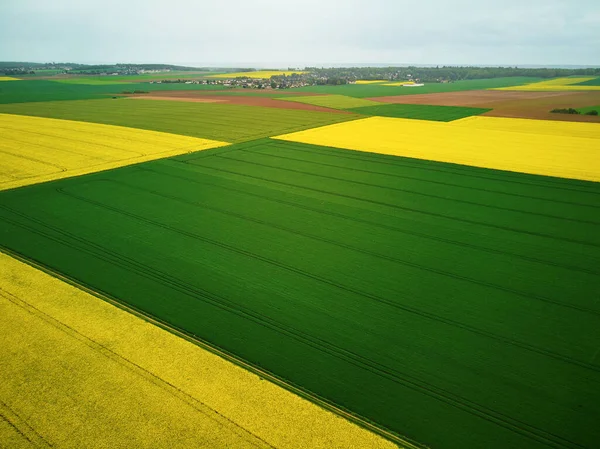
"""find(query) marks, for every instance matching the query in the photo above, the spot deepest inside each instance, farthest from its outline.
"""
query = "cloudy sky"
(313, 32)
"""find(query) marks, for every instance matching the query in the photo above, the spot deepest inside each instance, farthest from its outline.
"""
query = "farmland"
(591, 82)
(422, 112)
(378, 90)
(258, 74)
(559, 84)
(415, 336)
(229, 123)
(219, 267)
(332, 101)
(79, 326)
(568, 150)
(43, 90)
(40, 149)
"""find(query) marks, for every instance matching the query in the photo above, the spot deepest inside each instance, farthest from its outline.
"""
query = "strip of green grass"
(332, 101)
(375, 90)
(455, 305)
(225, 122)
(420, 111)
(43, 90)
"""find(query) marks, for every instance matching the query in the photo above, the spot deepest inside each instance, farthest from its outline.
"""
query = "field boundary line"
(409, 381)
(412, 178)
(373, 223)
(403, 442)
(105, 351)
(400, 262)
(412, 192)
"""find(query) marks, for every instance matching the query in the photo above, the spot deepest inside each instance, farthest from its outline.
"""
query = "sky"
(269, 33)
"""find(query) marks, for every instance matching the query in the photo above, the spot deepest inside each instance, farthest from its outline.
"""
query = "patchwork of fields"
(559, 84)
(102, 352)
(435, 283)
(230, 123)
(215, 244)
(378, 90)
(566, 150)
(40, 149)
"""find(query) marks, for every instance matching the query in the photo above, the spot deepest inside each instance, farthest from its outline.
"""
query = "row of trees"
(444, 73)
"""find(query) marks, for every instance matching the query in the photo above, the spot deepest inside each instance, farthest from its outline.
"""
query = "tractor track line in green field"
(464, 404)
(397, 189)
(404, 442)
(463, 170)
(365, 294)
(394, 206)
(392, 259)
(402, 291)
(413, 178)
(379, 225)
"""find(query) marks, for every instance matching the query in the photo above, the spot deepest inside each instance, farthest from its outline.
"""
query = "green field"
(589, 108)
(332, 101)
(43, 90)
(376, 90)
(173, 75)
(594, 82)
(224, 122)
(454, 305)
(420, 111)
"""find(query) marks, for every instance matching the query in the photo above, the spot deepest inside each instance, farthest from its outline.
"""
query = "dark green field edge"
(28, 91)
(589, 108)
(374, 90)
(594, 82)
(403, 442)
(224, 122)
(420, 111)
(324, 261)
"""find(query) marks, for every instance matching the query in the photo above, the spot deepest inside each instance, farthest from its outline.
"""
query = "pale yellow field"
(370, 81)
(38, 149)
(562, 149)
(558, 84)
(399, 83)
(8, 78)
(78, 372)
(259, 74)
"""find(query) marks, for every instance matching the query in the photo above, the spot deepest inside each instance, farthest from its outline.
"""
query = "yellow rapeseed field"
(371, 81)
(38, 149)
(562, 149)
(558, 84)
(259, 74)
(8, 78)
(78, 372)
(399, 83)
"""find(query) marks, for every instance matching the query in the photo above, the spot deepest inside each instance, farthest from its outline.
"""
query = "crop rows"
(377, 283)
(225, 122)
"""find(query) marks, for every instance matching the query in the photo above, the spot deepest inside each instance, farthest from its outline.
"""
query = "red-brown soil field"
(517, 104)
(202, 97)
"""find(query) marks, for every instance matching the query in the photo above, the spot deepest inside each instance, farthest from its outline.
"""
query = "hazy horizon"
(549, 33)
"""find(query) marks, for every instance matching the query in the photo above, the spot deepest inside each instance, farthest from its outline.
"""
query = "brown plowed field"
(201, 97)
(515, 104)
